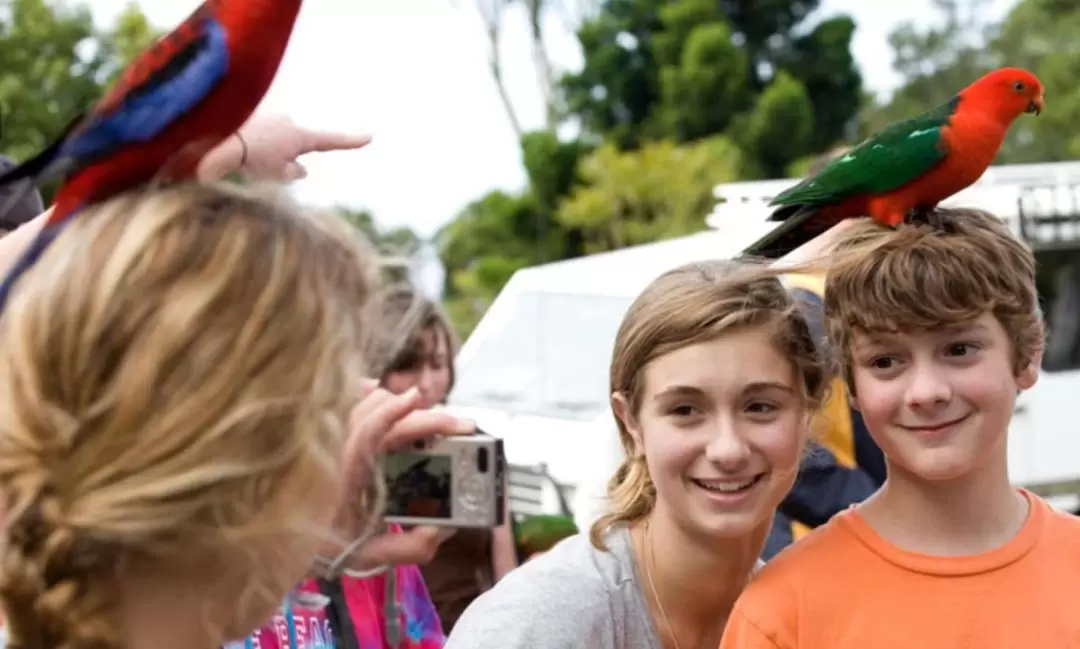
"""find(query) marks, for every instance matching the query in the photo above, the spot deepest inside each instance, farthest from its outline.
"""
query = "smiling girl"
(714, 377)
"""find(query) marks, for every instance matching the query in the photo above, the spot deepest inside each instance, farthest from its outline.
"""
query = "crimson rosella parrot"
(179, 99)
(908, 168)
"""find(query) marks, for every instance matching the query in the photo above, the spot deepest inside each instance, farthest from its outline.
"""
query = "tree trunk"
(545, 73)
(492, 18)
(495, 63)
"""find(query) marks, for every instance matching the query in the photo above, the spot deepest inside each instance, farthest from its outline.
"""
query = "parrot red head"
(1006, 93)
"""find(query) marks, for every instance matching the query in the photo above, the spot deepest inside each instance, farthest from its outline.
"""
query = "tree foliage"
(658, 191)
(689, 69)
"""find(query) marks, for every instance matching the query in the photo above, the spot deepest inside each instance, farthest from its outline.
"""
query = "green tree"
(483, 246)
(822, 62)
(362, 220)
(687, 69)
(499, 233)
(396, 240)
(1040, 35)
(614, 92)
(656, 192)
(779, 130)
(56, 64)
(396, 245)
(704, 76)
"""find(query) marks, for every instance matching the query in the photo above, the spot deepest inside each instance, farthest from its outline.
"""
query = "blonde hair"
(176, 374)
(690, 305)
(921, 276)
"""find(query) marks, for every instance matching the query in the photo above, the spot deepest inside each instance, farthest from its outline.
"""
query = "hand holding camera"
(383, 421)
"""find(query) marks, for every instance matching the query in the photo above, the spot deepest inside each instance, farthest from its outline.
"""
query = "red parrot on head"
(178, 100)
(910, 166)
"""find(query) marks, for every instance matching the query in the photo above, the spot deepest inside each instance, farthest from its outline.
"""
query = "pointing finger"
(334, 141)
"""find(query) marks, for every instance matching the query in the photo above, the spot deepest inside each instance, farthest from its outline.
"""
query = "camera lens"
(482, 460)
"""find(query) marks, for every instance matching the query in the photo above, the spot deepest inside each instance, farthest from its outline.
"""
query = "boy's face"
(939, 402)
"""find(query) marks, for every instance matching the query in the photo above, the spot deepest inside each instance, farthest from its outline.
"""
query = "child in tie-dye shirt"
(388, 611)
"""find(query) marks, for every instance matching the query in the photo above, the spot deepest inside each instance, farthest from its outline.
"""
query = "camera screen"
(418, 485)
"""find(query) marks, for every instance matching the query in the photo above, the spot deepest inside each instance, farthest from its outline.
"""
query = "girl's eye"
(682, 411)
(761, 408)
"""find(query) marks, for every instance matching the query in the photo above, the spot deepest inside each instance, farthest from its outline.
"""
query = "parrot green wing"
(900, 153)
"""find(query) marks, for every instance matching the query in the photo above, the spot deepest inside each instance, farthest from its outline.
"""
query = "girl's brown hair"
(402, 320)
(693, 304)
(176, 375)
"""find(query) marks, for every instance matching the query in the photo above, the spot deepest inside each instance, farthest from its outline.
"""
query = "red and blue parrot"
(178, 100)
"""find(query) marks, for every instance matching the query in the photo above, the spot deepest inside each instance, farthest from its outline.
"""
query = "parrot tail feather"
(787, 212)
(45, 165)
(798, 225)
(14, 197)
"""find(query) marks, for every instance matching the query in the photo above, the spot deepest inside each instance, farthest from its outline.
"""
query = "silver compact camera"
(449, 482)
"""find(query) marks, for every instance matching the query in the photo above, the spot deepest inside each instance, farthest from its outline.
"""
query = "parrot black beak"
(1035, 106)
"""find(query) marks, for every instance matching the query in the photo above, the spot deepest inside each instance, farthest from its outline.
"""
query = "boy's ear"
(852, 402)
(849, 388)
(1029, 375)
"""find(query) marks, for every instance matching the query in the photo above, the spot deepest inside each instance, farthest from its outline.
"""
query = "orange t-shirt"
(845, 587)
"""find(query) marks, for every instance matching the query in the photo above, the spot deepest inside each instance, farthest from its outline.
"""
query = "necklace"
(652, 586)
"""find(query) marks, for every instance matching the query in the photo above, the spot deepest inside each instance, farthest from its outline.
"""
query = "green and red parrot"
(178, 100)
(909, 167)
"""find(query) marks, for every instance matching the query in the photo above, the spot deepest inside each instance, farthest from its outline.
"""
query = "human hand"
(395, 546)
(381, 422)
(384, 421)
(269, 145)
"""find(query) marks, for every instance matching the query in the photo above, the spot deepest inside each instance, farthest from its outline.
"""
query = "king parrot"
(909, 167)
(178, 100)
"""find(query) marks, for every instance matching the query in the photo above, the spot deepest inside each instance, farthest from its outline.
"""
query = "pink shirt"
(412, 623)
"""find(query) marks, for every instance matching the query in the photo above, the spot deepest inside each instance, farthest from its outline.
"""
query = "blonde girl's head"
(176, 375)
(671, 334)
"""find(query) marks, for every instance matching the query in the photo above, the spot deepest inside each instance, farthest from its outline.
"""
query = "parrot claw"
(923, 215)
